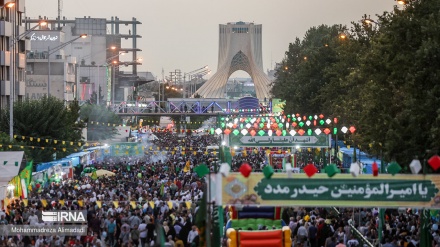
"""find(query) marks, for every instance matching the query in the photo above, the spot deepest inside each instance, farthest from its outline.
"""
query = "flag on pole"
(26, 177)
(160, 235)
(94, 175)
(26, 173)
(201, 217)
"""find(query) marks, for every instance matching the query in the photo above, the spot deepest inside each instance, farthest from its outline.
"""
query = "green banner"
(342, 190)
(279, 141)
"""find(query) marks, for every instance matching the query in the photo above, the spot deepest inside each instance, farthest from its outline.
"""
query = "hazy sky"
(183, 34)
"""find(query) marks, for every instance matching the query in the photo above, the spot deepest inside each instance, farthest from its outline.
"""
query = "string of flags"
(37, 147)
(54, 141)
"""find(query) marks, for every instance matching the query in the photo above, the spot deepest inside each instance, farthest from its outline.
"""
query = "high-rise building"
(86, 66)
(12, 51)
(240, 48)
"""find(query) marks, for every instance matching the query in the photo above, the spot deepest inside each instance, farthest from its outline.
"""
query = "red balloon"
(245, 169)
(38, 186)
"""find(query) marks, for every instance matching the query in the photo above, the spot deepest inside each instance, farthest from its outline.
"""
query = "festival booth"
(346, 154)
(53, 173)
(97, 154)
(11, 162)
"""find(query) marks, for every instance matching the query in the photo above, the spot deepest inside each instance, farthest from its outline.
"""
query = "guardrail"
(363, 241)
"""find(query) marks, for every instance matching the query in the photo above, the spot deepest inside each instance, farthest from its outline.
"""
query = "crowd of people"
(322, 227)
(150, 199)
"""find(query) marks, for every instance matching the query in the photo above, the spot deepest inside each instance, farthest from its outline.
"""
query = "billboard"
(342, 190)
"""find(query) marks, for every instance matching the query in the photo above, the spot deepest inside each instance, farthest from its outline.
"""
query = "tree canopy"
(44, 127)
(101, 123)
(382, 77)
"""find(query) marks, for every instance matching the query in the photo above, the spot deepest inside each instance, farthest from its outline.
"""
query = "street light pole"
(11, 76)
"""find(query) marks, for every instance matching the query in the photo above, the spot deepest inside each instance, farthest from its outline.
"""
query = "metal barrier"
(363, 241)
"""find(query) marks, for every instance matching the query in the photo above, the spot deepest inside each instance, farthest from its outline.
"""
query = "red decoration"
(310, 170)
(245, 170)
(38, 186)
(278, 133)
(434, 162)
(335, 120)
(375, 169)
(352, 129)
(253, 132)
(327, 131)
(227, 131)
(301, 132)
(294, 124)
(321, 116)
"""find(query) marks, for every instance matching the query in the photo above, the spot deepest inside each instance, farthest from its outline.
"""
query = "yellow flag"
(99, 204)
(25, 202)
(188, 204)
(61, 202)
(116, 203)
(133, 204)
(5, 203)
(81, 203)
(151, 204)
(170, 204)
(187, 167)
(44, 202)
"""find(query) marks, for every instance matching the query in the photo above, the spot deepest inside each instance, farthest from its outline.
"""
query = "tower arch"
(240, 48)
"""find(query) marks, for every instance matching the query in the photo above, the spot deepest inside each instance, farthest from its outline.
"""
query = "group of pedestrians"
(321, 227)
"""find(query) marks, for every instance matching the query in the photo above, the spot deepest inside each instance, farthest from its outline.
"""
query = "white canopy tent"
(9, 166)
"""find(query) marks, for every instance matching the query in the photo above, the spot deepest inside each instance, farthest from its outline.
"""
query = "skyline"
(183, 35)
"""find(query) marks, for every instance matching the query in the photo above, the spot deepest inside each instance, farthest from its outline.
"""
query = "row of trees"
(380, 75)
(49, 119)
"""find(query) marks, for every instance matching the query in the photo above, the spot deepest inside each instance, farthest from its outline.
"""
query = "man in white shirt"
(143, 233)
(39, 241)
(192, 234)
(33, 219)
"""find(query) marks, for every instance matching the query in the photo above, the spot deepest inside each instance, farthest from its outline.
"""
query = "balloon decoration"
(332, 170)
(268, 171)
(310, 170)
(245, 169)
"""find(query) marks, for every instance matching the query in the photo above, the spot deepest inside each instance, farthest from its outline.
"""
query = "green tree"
(402, 90)
(100, 122)
(47, 119)
(302, 74)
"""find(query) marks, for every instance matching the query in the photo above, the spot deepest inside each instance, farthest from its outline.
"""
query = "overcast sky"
(183, 34)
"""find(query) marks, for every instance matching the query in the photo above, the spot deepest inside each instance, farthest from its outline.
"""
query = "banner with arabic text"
(343, 190)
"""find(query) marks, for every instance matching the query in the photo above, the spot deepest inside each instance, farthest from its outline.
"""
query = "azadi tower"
(239, 49)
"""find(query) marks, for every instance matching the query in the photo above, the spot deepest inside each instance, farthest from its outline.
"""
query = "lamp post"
(105, 65)
(189, 74)
(116, 64)
(53, 50)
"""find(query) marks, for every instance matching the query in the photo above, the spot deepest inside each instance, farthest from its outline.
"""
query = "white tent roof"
(9, 166)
